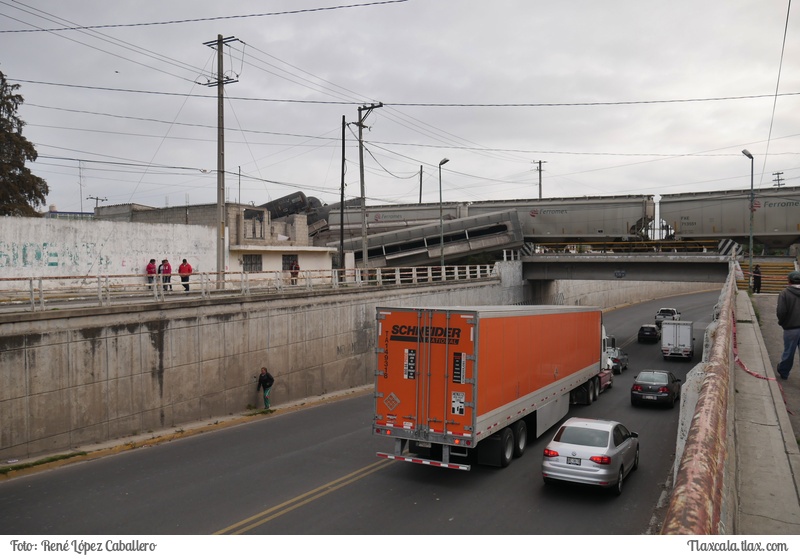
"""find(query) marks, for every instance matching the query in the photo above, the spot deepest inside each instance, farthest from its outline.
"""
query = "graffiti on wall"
(31, 255)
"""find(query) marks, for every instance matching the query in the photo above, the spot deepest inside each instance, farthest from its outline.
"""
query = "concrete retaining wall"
(71, 378)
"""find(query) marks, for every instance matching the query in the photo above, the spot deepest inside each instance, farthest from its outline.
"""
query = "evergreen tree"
(20, 190)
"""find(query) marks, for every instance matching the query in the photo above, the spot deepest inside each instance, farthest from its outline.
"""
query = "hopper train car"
(555, 220)
(725, 214)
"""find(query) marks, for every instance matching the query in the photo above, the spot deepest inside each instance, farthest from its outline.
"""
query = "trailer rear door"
(424, 382)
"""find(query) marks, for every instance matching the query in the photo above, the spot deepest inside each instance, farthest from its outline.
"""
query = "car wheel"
(618, 485)
(547, 480)
(520, 438)
(672, 402)
(633, 402)
(506, 447)
(636, 459)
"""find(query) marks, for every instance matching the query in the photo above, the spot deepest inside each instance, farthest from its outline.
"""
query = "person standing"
(294, 269)
(788, 312)
(757, 279)
(185, 270)
(166, 274)
(265, 382)
(151, 272)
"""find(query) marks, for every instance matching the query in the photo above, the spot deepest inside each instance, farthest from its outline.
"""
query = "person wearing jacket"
(788, 312)
(151, 271)
(184, 271)
(265, 382)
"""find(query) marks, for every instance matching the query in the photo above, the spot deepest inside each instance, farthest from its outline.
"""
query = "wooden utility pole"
(363, 113)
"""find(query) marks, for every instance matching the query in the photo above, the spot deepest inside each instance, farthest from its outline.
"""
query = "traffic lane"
(194, 485)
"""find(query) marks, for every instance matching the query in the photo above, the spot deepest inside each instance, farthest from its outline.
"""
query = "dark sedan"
(649, 333)
(656, 387)
(618, 360)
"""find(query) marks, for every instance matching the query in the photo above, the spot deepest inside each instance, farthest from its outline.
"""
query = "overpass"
(74, 376)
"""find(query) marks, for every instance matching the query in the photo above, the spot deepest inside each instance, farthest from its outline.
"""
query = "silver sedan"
(591, 452)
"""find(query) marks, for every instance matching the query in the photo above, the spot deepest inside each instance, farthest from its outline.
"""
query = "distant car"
(649, 333)
(591, 452)
(619, 360)
(666, 313)
(656, 387)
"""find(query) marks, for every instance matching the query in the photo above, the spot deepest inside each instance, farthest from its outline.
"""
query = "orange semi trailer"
(451, 381)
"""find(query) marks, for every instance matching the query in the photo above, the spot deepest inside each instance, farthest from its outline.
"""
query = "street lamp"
(752, 202)
(441, 219)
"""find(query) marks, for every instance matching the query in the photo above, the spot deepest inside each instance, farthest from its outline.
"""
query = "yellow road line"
(279, 510)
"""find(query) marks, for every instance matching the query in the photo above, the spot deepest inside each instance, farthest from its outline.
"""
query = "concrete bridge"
(76, 376)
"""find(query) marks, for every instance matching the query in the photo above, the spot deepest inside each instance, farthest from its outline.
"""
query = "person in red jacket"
(151, 272)
(165, 269)
(184, 271)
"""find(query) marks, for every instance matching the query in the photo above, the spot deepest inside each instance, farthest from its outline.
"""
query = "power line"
(196, 20)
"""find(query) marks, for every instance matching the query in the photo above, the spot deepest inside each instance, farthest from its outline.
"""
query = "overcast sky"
(615, 97)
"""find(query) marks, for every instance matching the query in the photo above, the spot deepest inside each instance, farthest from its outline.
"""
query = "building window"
(252, 263)
(287, 261)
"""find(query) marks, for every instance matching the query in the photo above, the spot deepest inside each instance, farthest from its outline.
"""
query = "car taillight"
(550, 453)
(637, 388)
(601, 459)
(663, 390)
(615, 360)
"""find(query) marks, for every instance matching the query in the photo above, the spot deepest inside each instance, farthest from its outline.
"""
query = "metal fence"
(50, 292)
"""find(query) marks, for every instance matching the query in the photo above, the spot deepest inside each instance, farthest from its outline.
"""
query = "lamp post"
(752, 201)
(441, 219)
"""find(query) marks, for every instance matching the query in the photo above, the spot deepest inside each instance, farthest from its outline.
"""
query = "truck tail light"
(605, 460)
(550, 453)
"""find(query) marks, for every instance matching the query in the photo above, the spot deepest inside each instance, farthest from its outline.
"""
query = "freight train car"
(556, 220)
(570, 220)
(725, 214)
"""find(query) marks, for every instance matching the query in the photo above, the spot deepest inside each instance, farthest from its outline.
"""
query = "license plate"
(573, 461)
(649, 397)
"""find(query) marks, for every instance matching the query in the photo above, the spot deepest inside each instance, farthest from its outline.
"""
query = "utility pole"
(420, 184)
(539, 167)
(341, 203)
(363, 113)
(778, 180)
(96, 200)
(220, 83)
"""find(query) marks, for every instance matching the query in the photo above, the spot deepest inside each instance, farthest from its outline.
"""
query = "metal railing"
(51, 292)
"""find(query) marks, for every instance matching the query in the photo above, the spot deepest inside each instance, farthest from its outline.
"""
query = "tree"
(20, 190)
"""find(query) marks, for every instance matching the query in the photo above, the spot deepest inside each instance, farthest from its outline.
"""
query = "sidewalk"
(767, 456)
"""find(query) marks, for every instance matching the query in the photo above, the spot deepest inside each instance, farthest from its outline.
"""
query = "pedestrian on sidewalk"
(265, 382)
(788, 312)
(151, 271)
(757, 279)
(165, 270)
(185, 270)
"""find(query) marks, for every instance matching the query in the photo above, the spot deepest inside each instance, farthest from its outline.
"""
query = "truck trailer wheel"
(506, 447)
(520, 438)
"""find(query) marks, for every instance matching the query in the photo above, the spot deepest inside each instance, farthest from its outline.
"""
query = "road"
(315, 471)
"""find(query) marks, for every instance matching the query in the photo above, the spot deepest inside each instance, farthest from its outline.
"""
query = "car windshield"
(652, 377)
(583, 436)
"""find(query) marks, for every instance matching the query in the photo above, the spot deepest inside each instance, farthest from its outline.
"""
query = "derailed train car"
(571, 220)
(556, 220)
(725, 214)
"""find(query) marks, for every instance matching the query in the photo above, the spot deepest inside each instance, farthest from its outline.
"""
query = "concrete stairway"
(773, 273)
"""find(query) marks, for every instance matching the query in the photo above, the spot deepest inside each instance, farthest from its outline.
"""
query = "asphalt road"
(315, 471)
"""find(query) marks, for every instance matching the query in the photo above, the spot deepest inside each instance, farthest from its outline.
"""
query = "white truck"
(667, 313)
(677, 339)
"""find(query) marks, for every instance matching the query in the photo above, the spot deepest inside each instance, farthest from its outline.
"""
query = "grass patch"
(5, 470)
